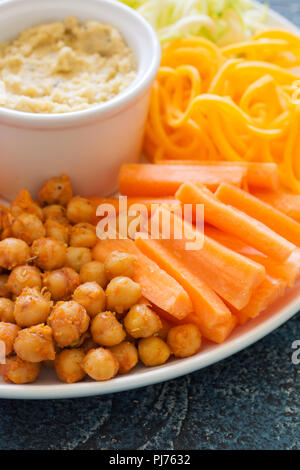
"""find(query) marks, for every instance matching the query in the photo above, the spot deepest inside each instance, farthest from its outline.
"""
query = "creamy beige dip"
(64, 66)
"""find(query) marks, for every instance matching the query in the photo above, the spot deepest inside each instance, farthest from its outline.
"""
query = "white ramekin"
(88, 145)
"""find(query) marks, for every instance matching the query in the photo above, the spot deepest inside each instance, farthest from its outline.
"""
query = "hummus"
(64, 66)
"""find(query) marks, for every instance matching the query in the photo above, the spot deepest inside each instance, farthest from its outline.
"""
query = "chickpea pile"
(61, 308)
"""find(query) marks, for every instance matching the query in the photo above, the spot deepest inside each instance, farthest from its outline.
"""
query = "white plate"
(48, 386)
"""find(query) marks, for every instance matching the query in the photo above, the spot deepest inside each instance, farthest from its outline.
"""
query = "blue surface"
(249, 401)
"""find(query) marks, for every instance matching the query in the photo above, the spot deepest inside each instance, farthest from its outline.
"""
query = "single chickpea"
(119, 264)
(20, 372)
(13, 252)
(24, 276)
(91, 296)
(57, 213)
(8, 334)
(32, 307)
(107, 330)
(77, 256)
(93, 272)
(56, 191)
(83, 234)
(153, 351)
(35, 344)
(127, 356)
(7, 310)
(184, 340)
(80, 210)
(56, 230)
(4, 290)
(50, 254)
(68, 321)
(142, 322)
(28, 227)
(68, 365)
(122, 293)
(24, 203)
(100, 364)
(61, 283)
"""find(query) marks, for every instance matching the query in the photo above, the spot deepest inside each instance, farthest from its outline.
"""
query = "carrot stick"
(259, 175)
(289, 204)
(147, 180)
(157, 286)
(210, 313)
(259, 210)
(235, 222)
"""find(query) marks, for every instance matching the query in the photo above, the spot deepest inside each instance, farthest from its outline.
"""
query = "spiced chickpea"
(91, 296)
(107, 330)
(4, 290)
(61, 283)
(93, 272)
(49, 253)
(100, 364)
(119, 264)
(24, 276)
(56, 230)
(8, 334)
(35, 344)
(127, 356)
(68, 321)
(153, 351)
(27, 227)
(13, 252)
(68, 365)
(184, 340)
(7, 310)
(24, 203)
(76, 257)
(79, 210)
(122, 293)
(20, 372)
(83, 234)
(56, 212)
(142, 322)
(56, 191)
(32, 307)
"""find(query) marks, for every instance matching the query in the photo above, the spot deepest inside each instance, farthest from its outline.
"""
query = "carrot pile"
(239, 103)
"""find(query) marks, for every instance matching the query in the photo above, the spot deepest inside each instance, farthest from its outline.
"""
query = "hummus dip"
(64, 66)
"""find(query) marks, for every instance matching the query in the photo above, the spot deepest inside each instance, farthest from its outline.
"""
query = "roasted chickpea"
(122, 293)
(27, 227)
(32, 307)
(83, 234)
(24, 276)
(35, 344)
(8, 334)
(91, 296)
(68, 321)
(127, 356)
(50, 253)
(80, 210)
(4, 290)
(107, 330)
(77, 256)
(142, 322)
(20, 372)
(56, 230)
(68, 365)
(24, 203)
(7, 310)
(56, 212)
(119, 264)
(13, 252)
(56, 191)
(184, 340)
(61, 283)
(93, 272)
(153, 351)
(100, 364)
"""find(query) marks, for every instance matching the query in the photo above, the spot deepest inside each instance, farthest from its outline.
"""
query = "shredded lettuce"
(223, 21)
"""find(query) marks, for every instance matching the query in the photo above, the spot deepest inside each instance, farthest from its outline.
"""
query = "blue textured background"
(249, 401)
